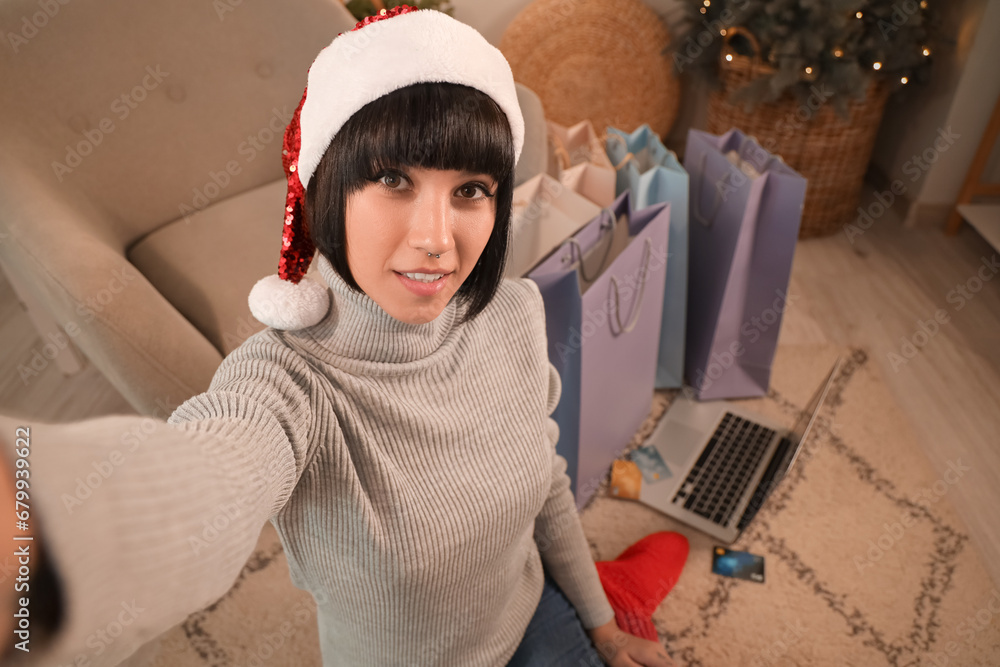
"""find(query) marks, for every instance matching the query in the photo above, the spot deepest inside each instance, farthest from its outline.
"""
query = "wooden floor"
(885, 291)
(896, 292)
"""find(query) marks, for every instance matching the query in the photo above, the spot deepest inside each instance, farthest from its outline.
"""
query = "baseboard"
(877, 181)
(927, 215)
(877, 178)
(913, 214)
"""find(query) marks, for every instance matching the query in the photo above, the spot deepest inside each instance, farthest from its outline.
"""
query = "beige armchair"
(141, 188)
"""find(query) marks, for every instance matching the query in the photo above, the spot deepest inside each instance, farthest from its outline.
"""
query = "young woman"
(394, 427)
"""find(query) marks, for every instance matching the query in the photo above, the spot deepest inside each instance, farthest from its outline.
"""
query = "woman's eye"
(469, 191)
(391, 180)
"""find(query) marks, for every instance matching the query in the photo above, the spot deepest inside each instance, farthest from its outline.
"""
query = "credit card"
(651, 464)
(738, 564)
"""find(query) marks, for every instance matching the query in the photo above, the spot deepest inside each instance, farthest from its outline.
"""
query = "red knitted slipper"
(639, 579)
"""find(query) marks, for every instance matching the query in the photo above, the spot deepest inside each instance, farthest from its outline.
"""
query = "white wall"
(975, 96)
(960, 96)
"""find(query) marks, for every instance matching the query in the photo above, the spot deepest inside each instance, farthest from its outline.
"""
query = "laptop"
(712, 465)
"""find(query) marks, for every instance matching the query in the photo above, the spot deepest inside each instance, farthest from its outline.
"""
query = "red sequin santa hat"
(383, 53)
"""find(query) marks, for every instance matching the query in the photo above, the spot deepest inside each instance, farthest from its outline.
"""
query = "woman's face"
(393, 223)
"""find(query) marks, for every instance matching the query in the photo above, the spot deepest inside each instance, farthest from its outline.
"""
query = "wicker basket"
(830, 152)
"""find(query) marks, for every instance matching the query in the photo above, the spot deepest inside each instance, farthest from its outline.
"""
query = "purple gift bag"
(603, 325)
(746, 207)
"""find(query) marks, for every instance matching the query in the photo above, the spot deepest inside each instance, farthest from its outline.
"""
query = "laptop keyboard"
(720, 477)
(774, 473)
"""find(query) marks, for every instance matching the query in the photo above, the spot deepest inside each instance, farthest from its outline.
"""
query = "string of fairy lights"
(871, 21)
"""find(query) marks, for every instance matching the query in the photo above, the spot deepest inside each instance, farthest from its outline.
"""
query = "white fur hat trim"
(417, 47)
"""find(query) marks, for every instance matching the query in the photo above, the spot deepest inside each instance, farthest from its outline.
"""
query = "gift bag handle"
(566, 161)
(560, 150)
(771, 157)
(647, 253)
(574, 243)
(628, 153)
(695, 203)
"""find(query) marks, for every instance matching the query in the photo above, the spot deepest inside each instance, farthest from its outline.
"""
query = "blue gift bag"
(654, 176)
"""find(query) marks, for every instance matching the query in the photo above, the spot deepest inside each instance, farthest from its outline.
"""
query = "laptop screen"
(806, 416)
(787, 452)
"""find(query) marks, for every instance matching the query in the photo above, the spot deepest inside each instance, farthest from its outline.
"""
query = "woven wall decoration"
(600, 60)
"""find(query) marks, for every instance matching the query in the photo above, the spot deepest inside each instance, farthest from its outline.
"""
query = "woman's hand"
(621, 649)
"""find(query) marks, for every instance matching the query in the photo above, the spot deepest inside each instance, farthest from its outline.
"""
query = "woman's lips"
(421, 288)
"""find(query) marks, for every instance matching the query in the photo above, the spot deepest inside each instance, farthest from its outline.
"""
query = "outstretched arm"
(147, 521)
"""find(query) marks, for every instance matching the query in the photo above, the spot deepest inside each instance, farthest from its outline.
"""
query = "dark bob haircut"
(429, 125)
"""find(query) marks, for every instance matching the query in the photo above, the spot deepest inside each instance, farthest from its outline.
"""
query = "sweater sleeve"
(560, 537)
(146, 521)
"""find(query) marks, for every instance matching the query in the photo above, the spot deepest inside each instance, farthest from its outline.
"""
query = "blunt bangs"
(427, 125)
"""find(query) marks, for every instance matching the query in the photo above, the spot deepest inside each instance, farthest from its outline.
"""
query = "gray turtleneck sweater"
(410, 471)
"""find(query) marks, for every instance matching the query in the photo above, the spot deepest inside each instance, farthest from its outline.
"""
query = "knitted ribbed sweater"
(410, 471)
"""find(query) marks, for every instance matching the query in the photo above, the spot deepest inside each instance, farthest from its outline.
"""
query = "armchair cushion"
(206, 264)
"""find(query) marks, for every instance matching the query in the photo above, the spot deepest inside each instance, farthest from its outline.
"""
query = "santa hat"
(383, 53)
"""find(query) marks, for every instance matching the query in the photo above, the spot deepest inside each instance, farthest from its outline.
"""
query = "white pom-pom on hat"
(285, 305)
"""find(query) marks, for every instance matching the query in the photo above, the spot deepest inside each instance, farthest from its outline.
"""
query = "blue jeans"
(555, 636)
